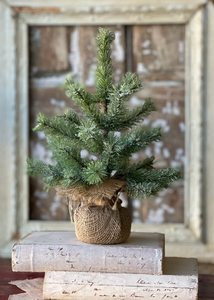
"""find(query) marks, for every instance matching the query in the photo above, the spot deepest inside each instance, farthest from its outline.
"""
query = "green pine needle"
(95, 173)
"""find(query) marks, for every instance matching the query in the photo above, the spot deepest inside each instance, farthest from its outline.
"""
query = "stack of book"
(135, 269)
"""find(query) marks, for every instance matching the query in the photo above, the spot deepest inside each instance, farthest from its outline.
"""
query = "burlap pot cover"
(95, 224)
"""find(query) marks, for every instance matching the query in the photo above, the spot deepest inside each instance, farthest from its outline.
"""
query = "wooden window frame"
(194, 238)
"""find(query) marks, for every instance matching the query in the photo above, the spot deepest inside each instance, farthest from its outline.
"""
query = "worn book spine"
(182, 285)
(121, 258)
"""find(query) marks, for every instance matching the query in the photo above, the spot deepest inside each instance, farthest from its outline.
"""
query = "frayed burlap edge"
(99, 195)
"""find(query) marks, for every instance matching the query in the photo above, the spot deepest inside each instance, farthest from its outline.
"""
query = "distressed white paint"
(163, 83)
(208, 179)
(146, 51)
(146, 43)
(136, 203)
(84, 153)
(157, 147)
(40, 194)
(93, 157)
(22, 123)
(175, 164)
(176, 4)
(145, 122)
(117, 133)
(171, 109)
(43, 251)
(161, 123)
(113, 172)
(135, 156)
(141, 69)
(135, 101)
(179, 282)
(179, 155)
(118, 71)
(181, 46)
(74, 56)
(59, 103)
(39, 151)
(168, 209)
(166, 153)
(90, 81)
(194, 137)
(182, 126)
(165, 192)
(136, 215)
(106, 17)
(158, 216)
(118, 51)
(41, 135)
(55, 205)
(48, 82)
(148, 151)
(38, 203)
(8, 125)
(102, 12)
(158, 200)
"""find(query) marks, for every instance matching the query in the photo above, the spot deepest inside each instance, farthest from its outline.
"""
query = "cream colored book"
(179, 282)
(143, 253)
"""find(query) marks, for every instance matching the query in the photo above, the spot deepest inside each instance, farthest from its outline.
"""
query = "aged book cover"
(180, 281)
(143, 253)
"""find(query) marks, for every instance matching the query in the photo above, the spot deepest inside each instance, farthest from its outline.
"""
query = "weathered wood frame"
(195, 237)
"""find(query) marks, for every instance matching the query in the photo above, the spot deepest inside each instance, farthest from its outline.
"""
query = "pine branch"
(75, 158)
(72, 116)
(60, 130)
(137, 115)
(80, 96)
(146, 183)
(84, 100)
(66, 156)
(129, 85)
(95, 172)
(104, 80)
(131, 169)
(51, 174)
(135, 141)
(119, 118)
(90, 137)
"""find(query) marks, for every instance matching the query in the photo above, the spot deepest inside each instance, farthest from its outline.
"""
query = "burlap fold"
(95, 224)
(93, 193)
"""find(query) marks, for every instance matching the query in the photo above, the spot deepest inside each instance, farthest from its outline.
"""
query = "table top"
(206, 282)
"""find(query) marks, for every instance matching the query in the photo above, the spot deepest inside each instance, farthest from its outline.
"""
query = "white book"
(143, 253)
(179, 282)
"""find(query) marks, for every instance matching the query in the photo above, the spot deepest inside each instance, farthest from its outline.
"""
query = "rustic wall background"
(156, 53)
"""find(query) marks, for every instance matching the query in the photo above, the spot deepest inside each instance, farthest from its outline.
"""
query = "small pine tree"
(104, 113)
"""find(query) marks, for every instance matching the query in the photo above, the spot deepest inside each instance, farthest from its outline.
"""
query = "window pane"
(158, 58)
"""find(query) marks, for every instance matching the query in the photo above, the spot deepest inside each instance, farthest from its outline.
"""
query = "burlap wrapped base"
(97, 212)
(103, 225)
